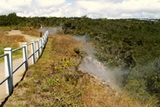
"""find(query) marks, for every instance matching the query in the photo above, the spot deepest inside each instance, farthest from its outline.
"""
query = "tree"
(12, 19)
(3, 20)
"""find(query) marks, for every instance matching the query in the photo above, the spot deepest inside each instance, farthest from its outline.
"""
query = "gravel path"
(17, 75)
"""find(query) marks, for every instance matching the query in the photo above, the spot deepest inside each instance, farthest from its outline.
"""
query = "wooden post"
(8, 70)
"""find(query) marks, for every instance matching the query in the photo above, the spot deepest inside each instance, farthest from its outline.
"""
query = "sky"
(110, 9)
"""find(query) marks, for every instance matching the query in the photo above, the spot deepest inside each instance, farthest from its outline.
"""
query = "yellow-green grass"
(4, 30)
(55, 81)
(12, 42)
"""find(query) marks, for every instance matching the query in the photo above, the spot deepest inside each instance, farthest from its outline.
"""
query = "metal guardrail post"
(44, 37)
(8, 70)
(40, 46)
(38, 51)
(25, 55)
(33, 52)
(47, 35)
(9, 63)
(43, 42)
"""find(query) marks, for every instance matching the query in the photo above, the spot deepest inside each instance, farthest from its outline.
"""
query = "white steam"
(50, 30)
(92, 66)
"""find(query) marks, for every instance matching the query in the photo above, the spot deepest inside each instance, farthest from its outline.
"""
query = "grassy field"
(55, 81)
(30, 31)
(9, 41)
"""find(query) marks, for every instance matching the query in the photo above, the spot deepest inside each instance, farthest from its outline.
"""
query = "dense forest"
(129, 47)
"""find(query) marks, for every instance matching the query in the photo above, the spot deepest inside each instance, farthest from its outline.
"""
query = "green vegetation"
(129, 47)
(58, 83)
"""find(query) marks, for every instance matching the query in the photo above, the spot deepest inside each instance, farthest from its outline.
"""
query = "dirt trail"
(17, 75)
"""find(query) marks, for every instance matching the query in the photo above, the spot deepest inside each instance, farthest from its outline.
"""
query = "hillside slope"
(55, 81)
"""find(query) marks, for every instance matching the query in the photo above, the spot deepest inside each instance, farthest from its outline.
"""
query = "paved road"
(17, 75)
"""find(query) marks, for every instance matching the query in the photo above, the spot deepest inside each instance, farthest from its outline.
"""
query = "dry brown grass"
(2, 33)
(55, 82)
(11, 41)
(4, 30)
(95, 94)
(64, 44)
(30, 31)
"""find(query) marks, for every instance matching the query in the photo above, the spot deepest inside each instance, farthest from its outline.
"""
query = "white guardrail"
(8, 61)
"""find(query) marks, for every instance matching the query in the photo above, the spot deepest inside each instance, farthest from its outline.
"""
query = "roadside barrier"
(37, 48)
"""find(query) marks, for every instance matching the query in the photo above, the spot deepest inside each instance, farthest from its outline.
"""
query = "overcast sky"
(77, 8)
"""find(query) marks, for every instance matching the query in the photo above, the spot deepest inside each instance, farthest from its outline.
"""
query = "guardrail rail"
(37, 47)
